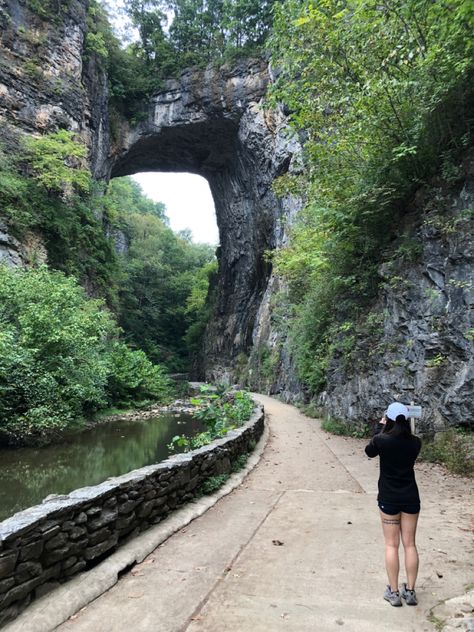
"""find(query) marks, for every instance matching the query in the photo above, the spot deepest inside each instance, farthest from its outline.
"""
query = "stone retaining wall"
(45, 545)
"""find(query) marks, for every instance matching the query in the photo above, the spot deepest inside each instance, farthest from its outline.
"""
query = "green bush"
(133, 378)
(60, 358)
(453, 448)
(220, 413)
(213, 483)
(240, 462)
(50, 10)
(53, 344)
(57, 161)
(342, 428)
(43, 191)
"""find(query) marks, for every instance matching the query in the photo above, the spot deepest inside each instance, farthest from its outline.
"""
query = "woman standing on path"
(398, 498)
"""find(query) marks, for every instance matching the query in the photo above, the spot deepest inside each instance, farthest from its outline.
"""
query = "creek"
(28, 475)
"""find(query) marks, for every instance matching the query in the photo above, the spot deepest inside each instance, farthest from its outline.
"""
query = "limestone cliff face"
(46, 83)
(417, 343)
(211, 122)
(421, 345)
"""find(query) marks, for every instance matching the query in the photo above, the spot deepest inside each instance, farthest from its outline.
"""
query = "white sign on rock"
(414, 411)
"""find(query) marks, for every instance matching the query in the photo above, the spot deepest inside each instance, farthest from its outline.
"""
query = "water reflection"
(28, 475)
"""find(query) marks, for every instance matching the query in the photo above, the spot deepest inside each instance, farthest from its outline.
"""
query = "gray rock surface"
(212, 122)
(10, 248)
(422, 348)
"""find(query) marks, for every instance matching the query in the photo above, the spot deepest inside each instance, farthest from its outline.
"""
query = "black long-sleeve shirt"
(397, 482)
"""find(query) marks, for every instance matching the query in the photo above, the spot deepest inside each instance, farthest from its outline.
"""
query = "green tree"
(197, 31)
(160, 271)
(383, 92)
(57, 161)
(61, 357)
(149, 18)
(125, 195)
(247, 23)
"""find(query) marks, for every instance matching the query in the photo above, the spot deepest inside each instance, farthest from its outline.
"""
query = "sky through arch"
(188, 200)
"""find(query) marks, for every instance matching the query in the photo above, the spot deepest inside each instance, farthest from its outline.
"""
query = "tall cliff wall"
(212, 122)
(420, 347)
(47, 83)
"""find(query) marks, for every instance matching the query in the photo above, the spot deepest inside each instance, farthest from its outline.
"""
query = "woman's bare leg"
(391, 532)
(408, 529)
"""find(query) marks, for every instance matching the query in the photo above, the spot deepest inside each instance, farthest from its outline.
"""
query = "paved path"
(297, 547)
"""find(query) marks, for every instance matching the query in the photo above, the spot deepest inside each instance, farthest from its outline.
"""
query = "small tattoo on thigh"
(391, 521)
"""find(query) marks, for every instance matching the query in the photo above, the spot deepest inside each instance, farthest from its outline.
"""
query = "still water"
(28, 475)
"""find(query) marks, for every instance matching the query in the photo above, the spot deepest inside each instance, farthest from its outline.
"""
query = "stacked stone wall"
(45, 545)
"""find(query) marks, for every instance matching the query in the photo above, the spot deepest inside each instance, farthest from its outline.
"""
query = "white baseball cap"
(396, 409)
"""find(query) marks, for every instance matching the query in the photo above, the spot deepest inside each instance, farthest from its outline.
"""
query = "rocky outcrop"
(420, 346)
(10, 248)
(212, 122)
(46, 82)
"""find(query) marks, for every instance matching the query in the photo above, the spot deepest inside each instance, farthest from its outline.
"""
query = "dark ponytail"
(398, 429)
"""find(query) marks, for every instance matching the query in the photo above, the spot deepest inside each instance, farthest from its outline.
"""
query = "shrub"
(53, 342)
(60, 358)
(453, 448)
(342, 428)
(57, 161)
(133, 378)
(213, 483)
(220, 413)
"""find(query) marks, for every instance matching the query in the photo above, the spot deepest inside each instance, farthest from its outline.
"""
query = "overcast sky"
(188, 201)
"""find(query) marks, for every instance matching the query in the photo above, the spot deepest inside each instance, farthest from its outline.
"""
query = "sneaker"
(392, 597)
(409, 596)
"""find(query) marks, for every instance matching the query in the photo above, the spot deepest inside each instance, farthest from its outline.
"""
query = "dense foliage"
(164, 281)
(220, 411)
(157, 286)
(172, 35)
(46, 191)
(383, 91)
(61, 357)
(195, 32)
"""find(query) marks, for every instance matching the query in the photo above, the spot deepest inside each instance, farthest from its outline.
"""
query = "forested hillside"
(63, 354)
(383, 94)
(164, 279)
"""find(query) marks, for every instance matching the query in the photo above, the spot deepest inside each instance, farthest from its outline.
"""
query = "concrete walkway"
(297, 547)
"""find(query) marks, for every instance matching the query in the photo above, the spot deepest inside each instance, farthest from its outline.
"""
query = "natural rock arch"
(211, 122)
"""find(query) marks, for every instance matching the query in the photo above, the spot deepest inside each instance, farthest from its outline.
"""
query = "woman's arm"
(372, 449)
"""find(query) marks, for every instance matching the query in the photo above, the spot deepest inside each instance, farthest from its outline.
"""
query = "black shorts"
(391, 509)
